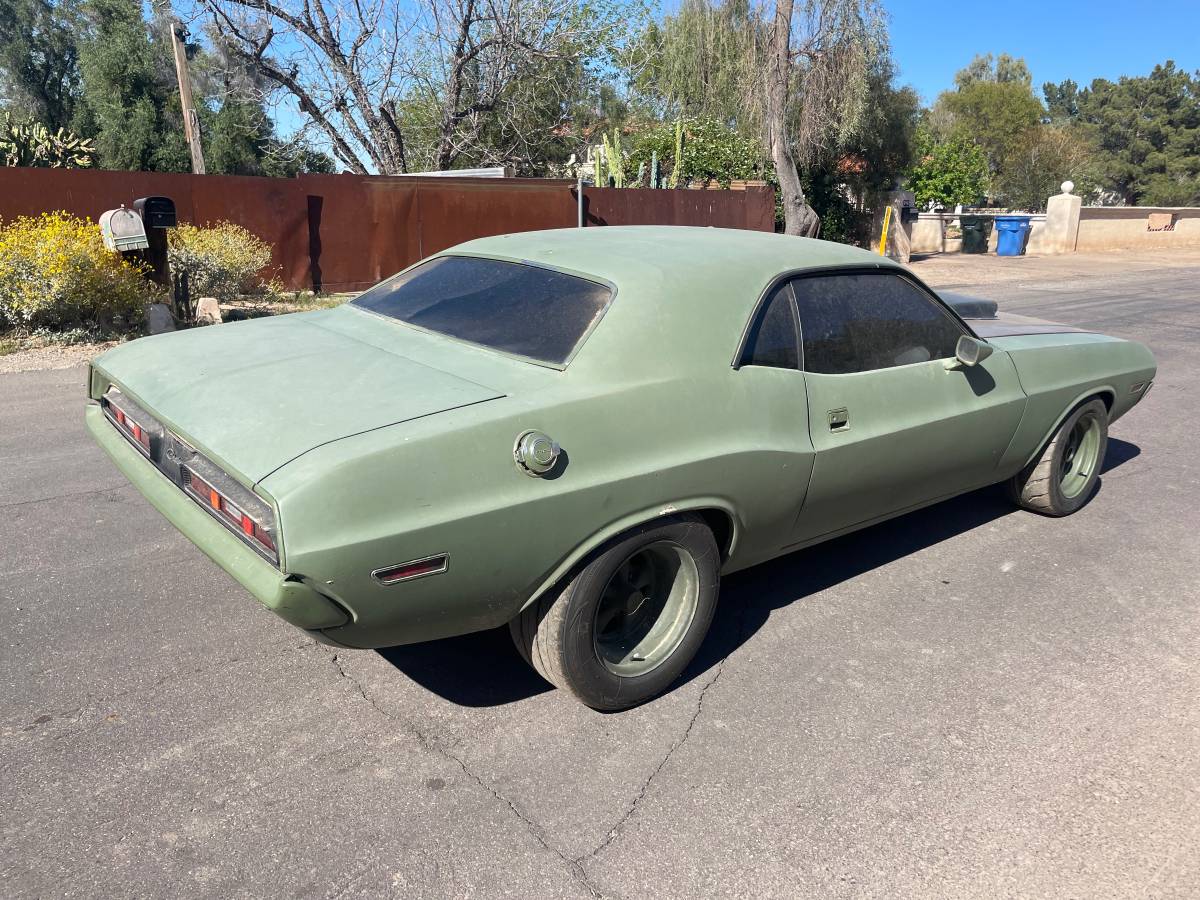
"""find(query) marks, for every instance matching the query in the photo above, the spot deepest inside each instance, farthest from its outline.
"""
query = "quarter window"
(772, 338)
(871, 320)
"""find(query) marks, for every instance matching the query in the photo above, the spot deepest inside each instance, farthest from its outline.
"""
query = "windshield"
(512, 307)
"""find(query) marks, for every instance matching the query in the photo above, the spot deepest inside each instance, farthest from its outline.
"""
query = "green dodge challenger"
(577, 432)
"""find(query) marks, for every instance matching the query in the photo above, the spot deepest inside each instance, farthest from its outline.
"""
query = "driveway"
(968, 701)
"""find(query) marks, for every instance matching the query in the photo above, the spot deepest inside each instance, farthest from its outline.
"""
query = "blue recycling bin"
(1011, 234)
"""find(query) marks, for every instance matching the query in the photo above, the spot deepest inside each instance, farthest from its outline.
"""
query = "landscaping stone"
(208, 311)
(159, 318)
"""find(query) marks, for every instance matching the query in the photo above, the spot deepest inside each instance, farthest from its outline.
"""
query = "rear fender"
(641, 517)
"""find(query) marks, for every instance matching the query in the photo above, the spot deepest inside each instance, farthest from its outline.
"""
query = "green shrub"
(699, 149)
(222, 260)
(55, 273)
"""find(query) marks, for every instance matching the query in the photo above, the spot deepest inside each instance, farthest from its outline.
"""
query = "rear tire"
(1061, 480)
(625, 626)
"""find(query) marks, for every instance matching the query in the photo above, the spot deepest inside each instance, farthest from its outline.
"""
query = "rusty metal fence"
(346, 232)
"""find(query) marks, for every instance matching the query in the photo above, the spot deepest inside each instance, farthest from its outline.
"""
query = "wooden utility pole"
(191, 124)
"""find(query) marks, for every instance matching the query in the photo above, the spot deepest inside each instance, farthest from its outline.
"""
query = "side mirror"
(969, 352)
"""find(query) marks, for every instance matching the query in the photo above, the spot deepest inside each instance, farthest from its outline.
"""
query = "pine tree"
(39, 72)
(128, 102)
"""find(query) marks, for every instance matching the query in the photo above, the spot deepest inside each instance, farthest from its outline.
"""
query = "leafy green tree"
(795, 76)
(876, 154)
(1002, 69)
(39, 72)
(948, 172)
(233, 138)
(126, 104)
(1047, 156)
(1147, 130)
(992, 104)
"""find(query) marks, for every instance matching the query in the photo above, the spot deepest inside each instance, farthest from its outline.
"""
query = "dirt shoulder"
(51, 356)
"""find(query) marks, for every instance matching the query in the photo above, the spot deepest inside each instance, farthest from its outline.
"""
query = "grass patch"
(309, 300)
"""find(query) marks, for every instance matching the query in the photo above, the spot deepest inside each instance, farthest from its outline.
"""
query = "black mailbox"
(908, 215)
(156, 212)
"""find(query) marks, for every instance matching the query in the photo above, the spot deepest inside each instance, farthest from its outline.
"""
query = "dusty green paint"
(292, 600)
(379, 443)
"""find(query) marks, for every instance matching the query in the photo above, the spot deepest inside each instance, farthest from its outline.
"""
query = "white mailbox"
(123, 230)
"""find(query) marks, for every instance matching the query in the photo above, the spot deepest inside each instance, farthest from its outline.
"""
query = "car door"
(893, 426)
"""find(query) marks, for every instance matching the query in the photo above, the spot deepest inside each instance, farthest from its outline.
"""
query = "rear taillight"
(241, 510)
(253, 527)
(136, 424)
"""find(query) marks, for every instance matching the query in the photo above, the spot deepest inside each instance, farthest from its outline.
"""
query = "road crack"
(431, 745)
(615, 831)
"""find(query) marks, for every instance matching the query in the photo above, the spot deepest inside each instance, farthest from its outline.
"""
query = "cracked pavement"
(967, 701)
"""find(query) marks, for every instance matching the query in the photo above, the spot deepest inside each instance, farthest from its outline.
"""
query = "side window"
(772, 337)
(870, 320)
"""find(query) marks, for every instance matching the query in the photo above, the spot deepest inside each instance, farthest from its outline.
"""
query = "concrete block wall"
(1067, 228)
(1125, 228)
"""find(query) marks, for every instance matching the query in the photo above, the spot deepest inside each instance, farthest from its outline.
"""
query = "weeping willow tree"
(705, 62)
(796, 75)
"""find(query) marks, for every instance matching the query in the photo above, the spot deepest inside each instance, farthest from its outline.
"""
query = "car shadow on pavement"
(484, 669)
(749, 597)
(481, 669)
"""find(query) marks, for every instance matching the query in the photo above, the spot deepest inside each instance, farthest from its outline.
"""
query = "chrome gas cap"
(536, 453)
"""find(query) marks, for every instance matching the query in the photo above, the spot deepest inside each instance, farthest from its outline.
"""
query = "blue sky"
(933, 39)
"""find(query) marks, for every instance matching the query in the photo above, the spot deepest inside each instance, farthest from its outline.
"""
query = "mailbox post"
(158, 214)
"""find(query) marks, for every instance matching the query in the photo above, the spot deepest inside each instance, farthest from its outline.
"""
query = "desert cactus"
(678, 165)
(614, 159)
(33, 144)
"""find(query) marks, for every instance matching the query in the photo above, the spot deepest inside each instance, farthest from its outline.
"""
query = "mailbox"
(908, 215)
(156, 212)
(122, 230)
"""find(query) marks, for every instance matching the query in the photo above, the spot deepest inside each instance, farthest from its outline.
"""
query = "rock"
(159, 318)
(208, 311)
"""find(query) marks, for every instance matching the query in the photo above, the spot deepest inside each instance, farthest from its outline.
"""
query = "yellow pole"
(887, 218)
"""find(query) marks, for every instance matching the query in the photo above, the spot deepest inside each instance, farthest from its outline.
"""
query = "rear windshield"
(516, 308)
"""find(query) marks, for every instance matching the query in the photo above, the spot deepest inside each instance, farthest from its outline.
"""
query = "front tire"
(625, 626)
(1061, 480)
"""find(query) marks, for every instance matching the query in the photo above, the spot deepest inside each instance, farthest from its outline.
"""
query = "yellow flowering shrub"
(223, 260)
(56, 273)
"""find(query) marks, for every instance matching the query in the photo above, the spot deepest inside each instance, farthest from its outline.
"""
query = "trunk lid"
(255, 395)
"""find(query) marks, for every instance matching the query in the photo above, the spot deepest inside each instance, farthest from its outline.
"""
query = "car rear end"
(218, 510)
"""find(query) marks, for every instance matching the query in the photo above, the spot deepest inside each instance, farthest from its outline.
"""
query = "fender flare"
(634, 519)
(1094, 391)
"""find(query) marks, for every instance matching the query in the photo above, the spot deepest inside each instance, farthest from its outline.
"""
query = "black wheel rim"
(646, 608)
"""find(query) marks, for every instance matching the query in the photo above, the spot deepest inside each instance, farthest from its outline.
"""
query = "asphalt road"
(969, 701)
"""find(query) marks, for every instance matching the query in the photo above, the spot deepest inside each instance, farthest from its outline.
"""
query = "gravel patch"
(52, 356)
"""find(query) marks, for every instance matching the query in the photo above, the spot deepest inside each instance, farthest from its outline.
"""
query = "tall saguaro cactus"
(675, 169)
